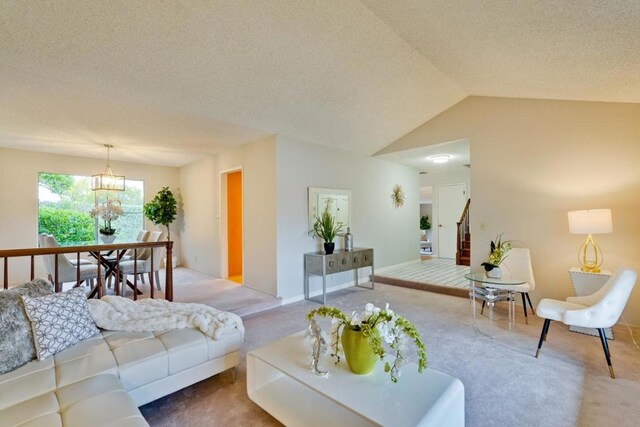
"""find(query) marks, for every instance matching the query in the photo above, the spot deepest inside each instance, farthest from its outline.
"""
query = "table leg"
(491, 303)
(473, 301)
(324, 289)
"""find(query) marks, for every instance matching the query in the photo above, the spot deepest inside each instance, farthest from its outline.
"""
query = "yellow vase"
(358, 351)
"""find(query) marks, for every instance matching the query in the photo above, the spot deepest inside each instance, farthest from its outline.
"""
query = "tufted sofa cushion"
(101, 381)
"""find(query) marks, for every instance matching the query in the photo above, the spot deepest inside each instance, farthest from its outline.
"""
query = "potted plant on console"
(327, 227)
(498, 252)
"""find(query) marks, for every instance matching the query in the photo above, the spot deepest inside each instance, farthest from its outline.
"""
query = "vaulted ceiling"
(167, 82)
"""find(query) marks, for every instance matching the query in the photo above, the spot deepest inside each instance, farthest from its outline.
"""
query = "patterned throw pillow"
(59, 321)
(16, 336)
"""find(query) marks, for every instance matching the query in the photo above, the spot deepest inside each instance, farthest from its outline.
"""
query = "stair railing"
(463, 230)
(96, 250)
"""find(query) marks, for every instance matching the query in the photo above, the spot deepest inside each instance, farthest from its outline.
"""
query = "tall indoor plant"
(162, 210)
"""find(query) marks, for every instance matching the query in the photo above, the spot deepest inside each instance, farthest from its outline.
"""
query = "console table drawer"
(338, 262)
(362, 259)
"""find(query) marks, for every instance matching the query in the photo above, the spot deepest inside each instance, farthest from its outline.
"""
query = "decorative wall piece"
(397, 196)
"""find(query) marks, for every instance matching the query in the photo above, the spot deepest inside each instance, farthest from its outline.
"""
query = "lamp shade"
(594, 221)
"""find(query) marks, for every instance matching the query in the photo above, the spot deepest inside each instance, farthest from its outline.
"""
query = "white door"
(451, 200)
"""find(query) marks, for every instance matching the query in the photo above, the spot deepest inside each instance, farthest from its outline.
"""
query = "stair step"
(466, 253)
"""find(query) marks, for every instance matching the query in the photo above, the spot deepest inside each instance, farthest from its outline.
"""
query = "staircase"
(463, 252)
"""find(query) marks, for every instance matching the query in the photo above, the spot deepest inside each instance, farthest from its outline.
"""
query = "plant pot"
(329, 247)
(358, 351)
(495, 273)
(107, 238)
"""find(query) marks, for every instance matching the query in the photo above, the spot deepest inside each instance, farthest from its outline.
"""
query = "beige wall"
(19, 195)
(534, 160)
(202, 234)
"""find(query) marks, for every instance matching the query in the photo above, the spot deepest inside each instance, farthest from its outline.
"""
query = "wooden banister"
(462, 227)
(5, 254)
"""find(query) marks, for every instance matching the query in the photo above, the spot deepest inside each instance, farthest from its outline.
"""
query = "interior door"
(451, 200)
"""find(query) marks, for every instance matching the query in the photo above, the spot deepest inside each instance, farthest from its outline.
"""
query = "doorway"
(234, 226)
(451, 200)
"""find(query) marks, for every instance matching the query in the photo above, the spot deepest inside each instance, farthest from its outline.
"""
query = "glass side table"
(491, 291)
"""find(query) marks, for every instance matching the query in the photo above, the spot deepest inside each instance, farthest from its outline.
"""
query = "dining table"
(110, 263)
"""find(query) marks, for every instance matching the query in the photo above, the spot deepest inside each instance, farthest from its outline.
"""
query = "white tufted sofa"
(103, 380)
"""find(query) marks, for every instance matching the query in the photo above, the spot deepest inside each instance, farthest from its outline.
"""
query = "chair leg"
(543, 335)
(482, 309)
(607, 354)
(524, 305)
(533, 310)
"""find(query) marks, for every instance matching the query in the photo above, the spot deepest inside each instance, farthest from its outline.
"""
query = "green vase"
(358, 351)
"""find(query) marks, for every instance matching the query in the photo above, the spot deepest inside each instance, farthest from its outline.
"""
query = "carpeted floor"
(504, 384)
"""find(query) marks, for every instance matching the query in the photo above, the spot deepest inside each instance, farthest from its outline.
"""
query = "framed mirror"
(339, 202)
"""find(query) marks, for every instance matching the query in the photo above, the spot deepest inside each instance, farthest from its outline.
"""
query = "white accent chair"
(517, 265)
(67, 272)
(599, 310)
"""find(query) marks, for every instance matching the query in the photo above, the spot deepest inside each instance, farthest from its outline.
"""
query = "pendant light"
(107, 180)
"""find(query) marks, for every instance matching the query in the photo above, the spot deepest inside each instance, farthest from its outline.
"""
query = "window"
(64, 203)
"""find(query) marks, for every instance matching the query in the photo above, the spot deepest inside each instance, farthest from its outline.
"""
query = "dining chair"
(41, 237)
(517, 265)
(142, 265)
(67, 272)
(599, 310)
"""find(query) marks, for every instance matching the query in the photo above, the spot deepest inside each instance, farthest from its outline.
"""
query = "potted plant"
(369, 336)
(424, 223)
(108, 211)
(497, 253)
(162, 210)
(327, 228)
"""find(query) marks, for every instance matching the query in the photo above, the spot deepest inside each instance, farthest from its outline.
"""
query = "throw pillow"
(16, 336)
(59, 321)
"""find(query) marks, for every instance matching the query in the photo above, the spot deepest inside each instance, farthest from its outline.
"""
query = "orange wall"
(234, 222)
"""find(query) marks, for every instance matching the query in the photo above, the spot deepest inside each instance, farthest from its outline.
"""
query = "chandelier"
(107, 180)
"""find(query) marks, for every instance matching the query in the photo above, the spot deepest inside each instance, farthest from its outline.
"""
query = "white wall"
(532, 161)
(393, 233)
(435, 179)
(19, 195)
(200, 187)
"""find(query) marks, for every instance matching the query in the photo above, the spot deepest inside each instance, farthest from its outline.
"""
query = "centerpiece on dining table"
(108, 211)
(366, 337)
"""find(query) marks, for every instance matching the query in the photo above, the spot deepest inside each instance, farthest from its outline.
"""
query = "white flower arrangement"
(109, 211)
(393, 336)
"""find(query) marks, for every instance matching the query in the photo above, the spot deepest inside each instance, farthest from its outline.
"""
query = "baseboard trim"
(334, 288)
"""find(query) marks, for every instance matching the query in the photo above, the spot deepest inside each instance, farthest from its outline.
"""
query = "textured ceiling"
(166, 82)
(579, 50)
(459, 153)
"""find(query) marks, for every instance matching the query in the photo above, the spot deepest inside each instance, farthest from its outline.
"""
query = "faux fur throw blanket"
(122, 314)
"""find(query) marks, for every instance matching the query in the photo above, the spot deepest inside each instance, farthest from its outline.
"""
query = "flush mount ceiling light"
(440, 158)
(107, 180)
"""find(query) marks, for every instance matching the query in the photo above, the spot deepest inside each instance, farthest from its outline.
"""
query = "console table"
(321, 264)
